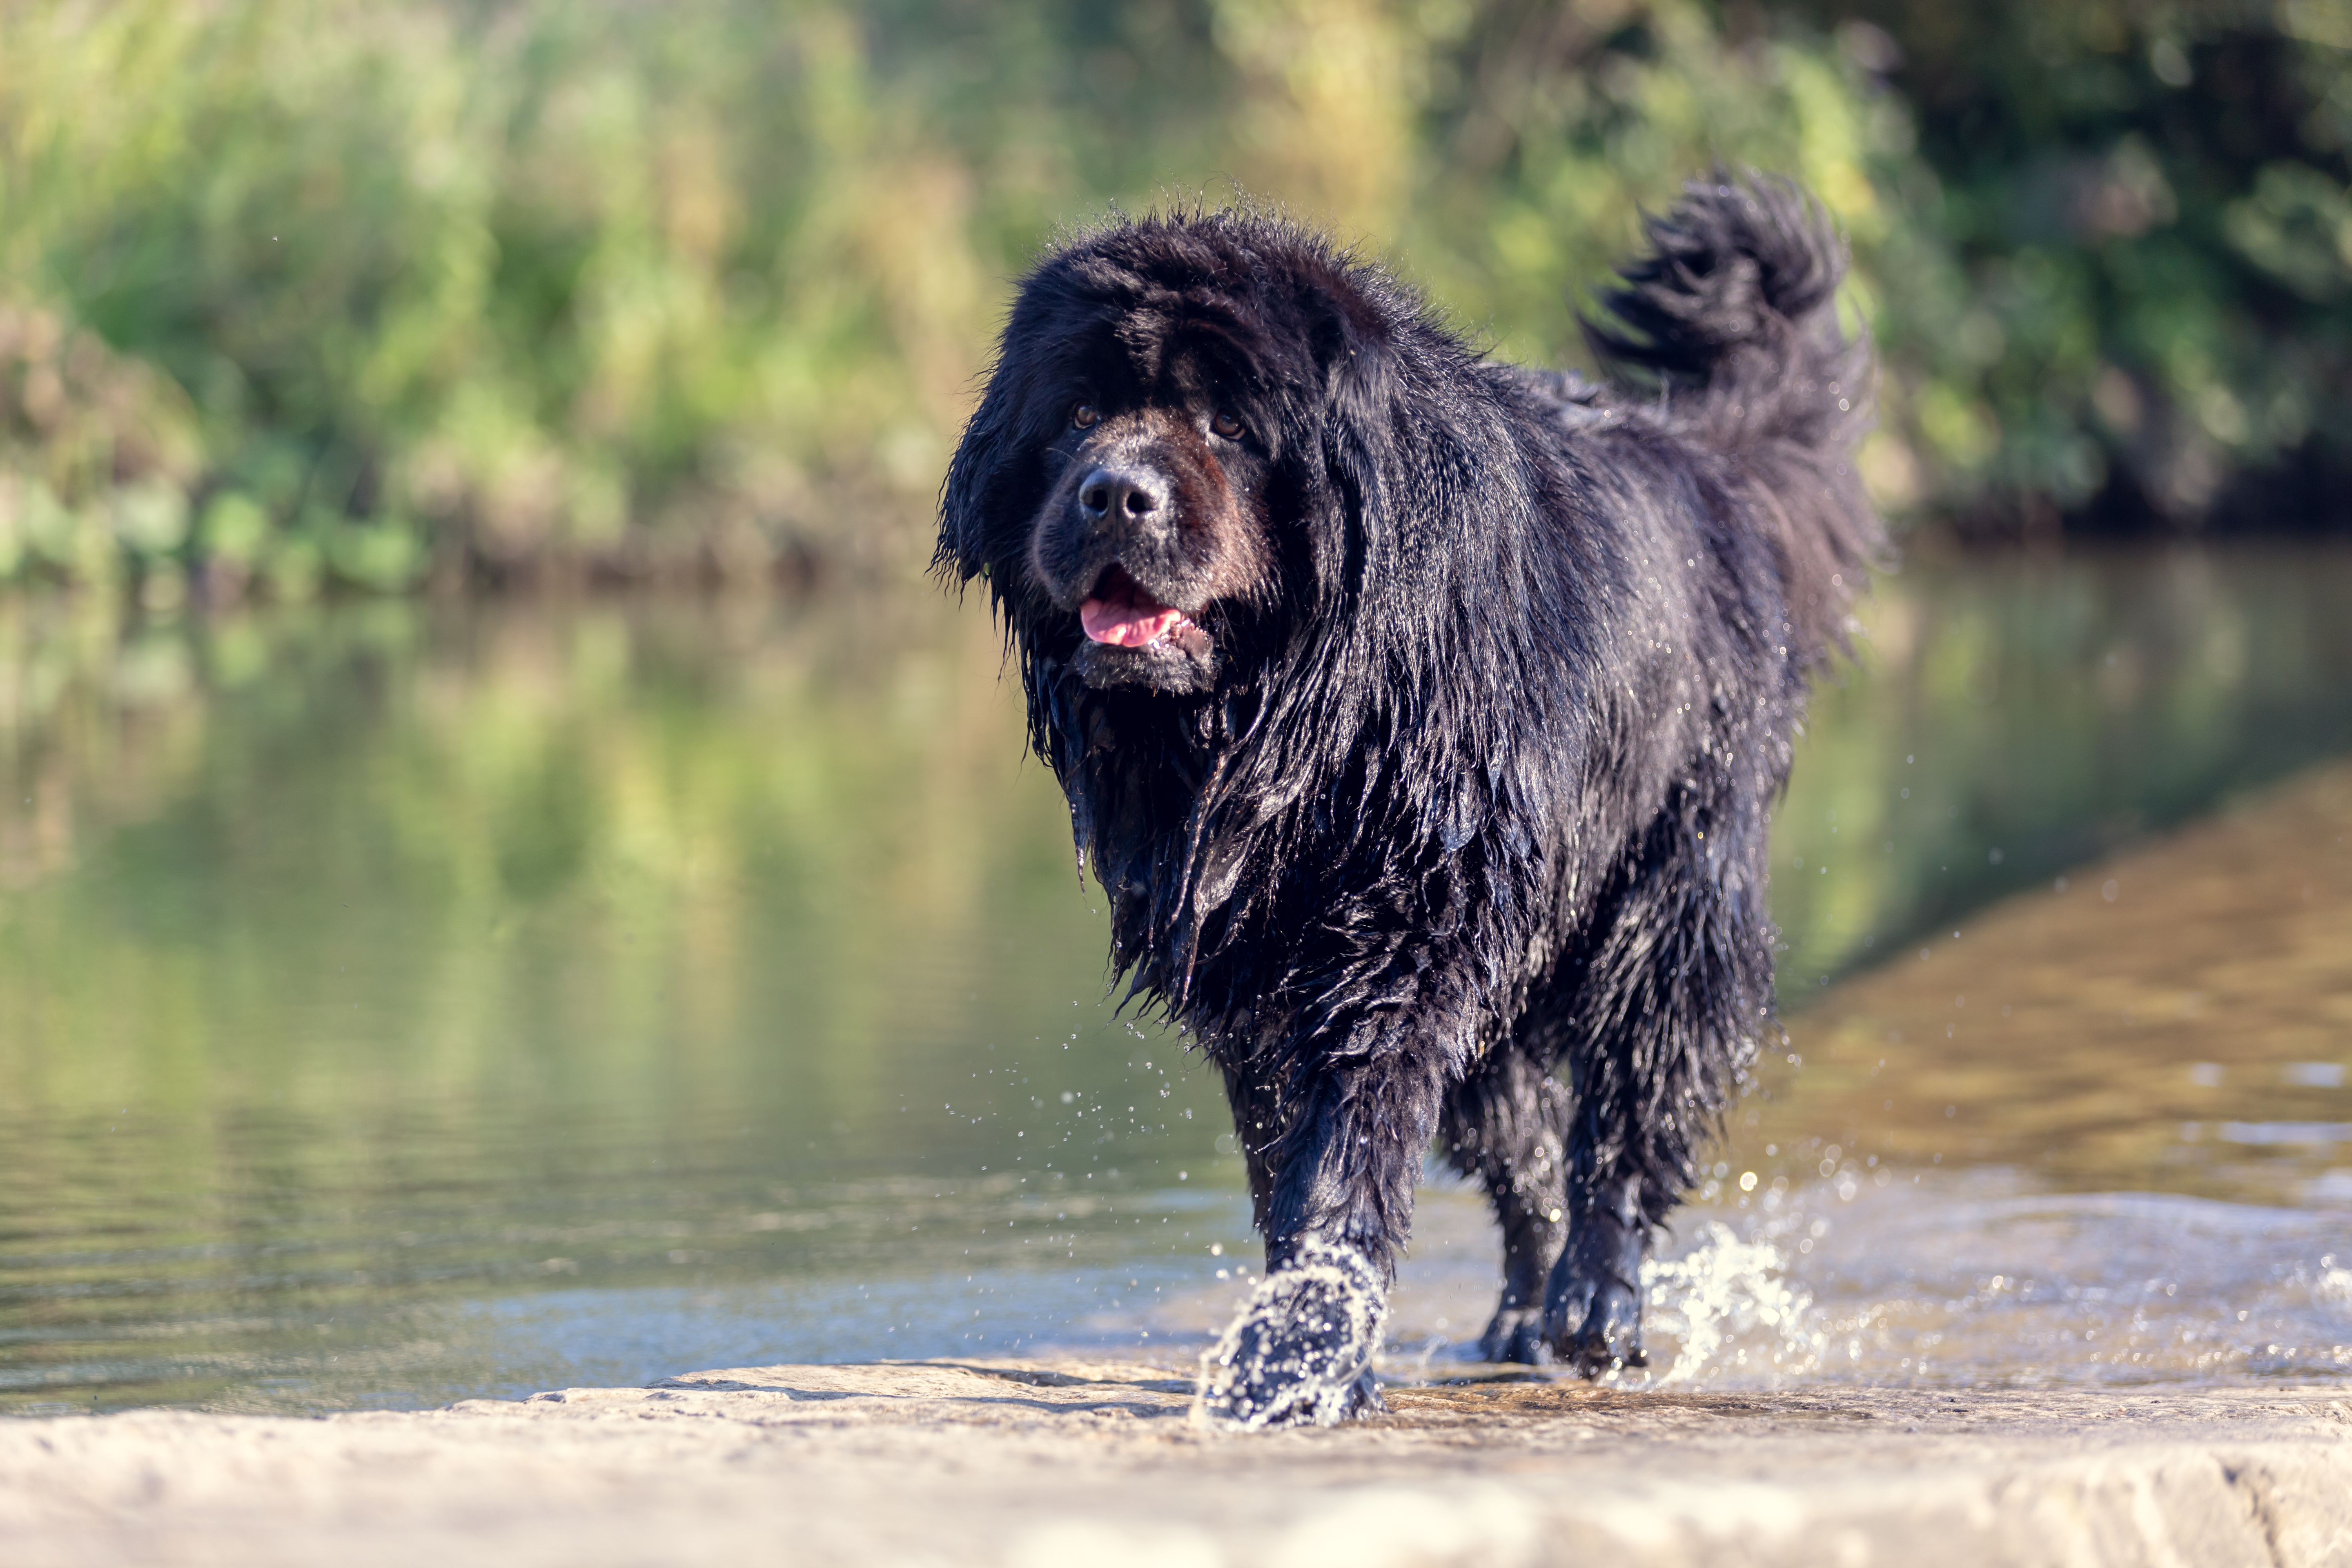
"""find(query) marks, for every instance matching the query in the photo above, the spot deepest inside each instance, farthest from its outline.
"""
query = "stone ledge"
(1015, 1464)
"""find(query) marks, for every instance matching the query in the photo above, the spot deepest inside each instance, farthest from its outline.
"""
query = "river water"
(400, 1002)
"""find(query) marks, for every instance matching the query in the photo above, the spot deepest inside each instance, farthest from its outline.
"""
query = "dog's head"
(1146, 483)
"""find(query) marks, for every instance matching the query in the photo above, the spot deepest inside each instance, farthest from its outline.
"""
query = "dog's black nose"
(1122, 495)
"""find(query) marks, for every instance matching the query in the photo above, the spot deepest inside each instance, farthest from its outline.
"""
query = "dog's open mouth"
(1120, 612)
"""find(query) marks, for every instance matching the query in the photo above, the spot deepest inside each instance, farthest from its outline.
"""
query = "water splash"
(1731, 1311)
(1301, 1350)
(2335, 1288)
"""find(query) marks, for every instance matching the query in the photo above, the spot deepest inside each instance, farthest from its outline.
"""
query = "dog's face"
(1140, 481)
(1154, 531)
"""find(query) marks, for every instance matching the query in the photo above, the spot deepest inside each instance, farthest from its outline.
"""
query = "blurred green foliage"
(295, 292)
(2147, 203)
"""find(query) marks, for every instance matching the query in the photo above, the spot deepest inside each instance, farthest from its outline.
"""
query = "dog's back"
(1731, 319)
(1709, 492)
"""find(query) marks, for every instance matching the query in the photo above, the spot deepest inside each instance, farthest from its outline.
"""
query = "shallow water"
(401, 1003)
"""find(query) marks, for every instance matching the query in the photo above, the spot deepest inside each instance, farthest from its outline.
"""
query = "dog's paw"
(1516, 1335)
(1301, 1351)
(1609, 1336)
(1592, 1311)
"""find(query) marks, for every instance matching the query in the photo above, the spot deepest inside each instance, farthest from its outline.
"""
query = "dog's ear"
(1354, 346)
(1352, 340)
(979, 485)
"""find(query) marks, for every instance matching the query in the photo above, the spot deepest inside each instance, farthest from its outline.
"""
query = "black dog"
(1422, 716)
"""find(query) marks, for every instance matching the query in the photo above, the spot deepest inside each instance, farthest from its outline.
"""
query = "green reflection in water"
(391, 954)
(2010, 718)
(401, 1001)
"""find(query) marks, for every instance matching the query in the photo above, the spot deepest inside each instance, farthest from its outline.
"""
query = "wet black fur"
(1466, 837)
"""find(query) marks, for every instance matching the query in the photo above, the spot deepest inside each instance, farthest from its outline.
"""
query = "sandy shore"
(1078, 1464)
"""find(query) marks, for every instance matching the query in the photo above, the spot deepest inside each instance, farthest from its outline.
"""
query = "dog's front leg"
(1335, 1197)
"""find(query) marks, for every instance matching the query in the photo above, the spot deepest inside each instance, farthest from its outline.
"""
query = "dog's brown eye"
(1227, 428)
(1083, 415)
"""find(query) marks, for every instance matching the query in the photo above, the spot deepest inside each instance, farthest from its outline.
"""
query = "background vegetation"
(294, 291)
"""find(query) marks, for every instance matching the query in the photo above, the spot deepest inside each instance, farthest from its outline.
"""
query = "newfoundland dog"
(1422, 717)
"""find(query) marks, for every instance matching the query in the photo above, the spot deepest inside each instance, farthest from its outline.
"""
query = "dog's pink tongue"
(1126, 621)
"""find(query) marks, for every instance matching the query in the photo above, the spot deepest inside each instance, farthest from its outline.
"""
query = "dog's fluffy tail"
(1732, 316)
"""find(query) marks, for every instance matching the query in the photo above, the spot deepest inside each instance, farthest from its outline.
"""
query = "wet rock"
(1028, 1463)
